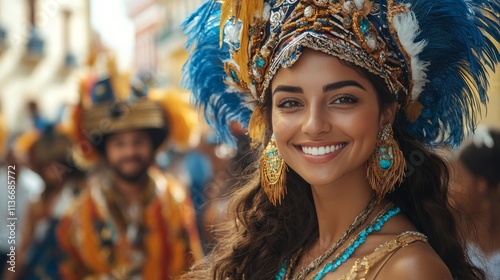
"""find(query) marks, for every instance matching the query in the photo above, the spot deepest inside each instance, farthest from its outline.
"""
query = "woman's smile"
(320, 152)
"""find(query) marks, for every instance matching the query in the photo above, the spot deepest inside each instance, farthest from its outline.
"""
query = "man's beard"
(132, 177)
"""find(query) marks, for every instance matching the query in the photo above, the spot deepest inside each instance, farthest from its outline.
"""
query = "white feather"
(359, 4)
(348, 6)
(371, 41)
(253, 91)
(266, 13)
(232, 33)
(249, 102)
(406, 25)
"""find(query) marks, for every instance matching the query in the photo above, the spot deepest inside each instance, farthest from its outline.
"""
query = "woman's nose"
(316, 120)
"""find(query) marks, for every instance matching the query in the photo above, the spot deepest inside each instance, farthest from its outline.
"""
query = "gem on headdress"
(234, 76)
(347, 22)
(259, 62)
(308, 11)
(364, 25)
(317, 26)
(265, 52)
(382, 56)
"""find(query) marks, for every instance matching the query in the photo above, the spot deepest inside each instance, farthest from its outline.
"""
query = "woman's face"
(325, 118)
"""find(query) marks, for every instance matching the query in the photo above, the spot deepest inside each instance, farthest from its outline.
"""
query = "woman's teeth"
(319, 151)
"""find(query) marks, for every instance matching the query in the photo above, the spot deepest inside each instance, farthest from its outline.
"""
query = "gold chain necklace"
(373, 221)
(358, 221)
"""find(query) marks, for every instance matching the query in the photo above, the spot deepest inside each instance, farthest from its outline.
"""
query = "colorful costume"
(104, 236)
(98, 241)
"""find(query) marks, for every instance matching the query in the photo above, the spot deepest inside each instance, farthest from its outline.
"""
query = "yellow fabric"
(246, 11)
(257, 126)
(369, 266)
(170, 245)
(181, 115)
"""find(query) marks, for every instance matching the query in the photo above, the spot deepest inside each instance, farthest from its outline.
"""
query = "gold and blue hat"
(113, 104)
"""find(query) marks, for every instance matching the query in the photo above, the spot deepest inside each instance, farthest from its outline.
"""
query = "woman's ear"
(388, 114)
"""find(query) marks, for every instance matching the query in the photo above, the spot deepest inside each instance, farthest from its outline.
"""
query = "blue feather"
(204, 73)
(459, 54)
(46, 126)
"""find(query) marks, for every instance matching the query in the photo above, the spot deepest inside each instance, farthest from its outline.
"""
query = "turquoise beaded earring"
(386, 166)
(273, 173)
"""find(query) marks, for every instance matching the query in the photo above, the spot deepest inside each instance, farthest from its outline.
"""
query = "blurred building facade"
(43, 46)
(160, 43)
(146, 16)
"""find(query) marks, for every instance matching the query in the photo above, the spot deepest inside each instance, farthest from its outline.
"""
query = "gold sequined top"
(369, 266)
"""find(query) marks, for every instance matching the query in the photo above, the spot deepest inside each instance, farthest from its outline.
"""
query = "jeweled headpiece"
(432, 55)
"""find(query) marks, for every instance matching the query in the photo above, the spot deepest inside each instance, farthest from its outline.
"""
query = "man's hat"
(110, 114)
(113, 104)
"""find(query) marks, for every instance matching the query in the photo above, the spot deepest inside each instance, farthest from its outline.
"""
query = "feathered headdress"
(433, 55)
(48, 141)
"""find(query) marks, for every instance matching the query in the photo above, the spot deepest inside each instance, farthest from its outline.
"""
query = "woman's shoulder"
(413, 260)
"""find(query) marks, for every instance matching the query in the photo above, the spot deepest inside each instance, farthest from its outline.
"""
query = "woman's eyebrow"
(341, 84)
(332, 86)
(291, 89)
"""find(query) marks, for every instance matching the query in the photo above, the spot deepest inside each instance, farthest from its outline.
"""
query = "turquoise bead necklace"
(375, 225)
(360, 239)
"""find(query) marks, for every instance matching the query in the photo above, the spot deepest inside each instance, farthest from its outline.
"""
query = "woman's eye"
(289, 103)
(345, 100)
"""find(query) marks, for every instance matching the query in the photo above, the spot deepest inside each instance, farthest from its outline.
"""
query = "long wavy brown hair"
(262, 236)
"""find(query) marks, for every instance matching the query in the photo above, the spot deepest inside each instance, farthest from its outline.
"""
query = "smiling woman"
(319, 104)
(347, 100)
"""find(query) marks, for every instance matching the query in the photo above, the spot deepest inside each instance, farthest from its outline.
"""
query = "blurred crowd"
(129, 183)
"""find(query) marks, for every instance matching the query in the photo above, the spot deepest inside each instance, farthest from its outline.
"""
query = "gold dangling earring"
(273, 173)
(386, 166)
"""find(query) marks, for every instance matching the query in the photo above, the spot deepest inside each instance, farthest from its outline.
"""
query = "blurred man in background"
(134, 221)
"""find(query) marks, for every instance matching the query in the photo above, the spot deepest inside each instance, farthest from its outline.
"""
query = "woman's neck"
(338, 204)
